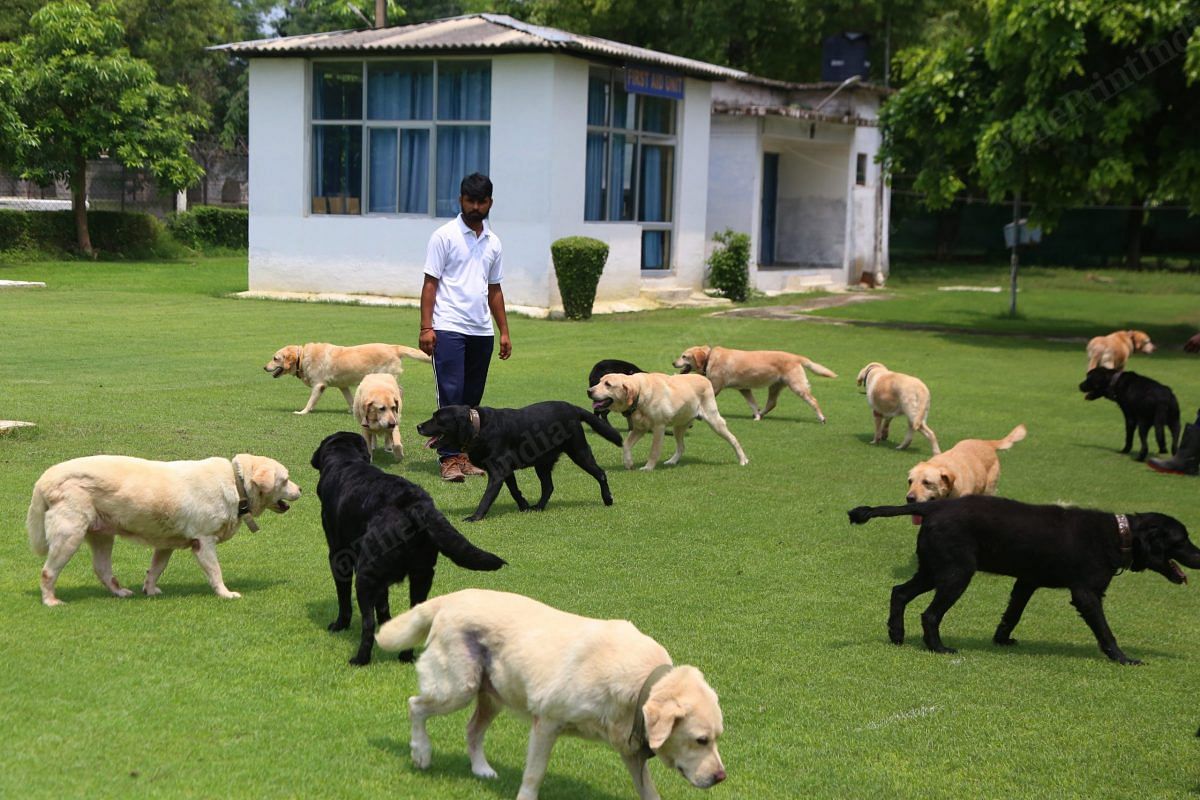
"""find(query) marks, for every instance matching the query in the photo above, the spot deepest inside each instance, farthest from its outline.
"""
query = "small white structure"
(358, 141)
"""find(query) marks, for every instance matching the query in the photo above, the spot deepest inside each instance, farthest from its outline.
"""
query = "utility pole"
(1016, 242)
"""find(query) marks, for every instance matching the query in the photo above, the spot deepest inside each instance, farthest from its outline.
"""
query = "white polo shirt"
(464, 265)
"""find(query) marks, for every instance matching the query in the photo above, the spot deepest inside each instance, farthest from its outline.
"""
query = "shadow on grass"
(458, 766)
(977, 645)
(170, 591)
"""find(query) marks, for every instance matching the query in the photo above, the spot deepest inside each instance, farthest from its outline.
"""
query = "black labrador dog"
(1143, 401)
(503, 440)
(380, 529)
(1041, 546)
(608, 366)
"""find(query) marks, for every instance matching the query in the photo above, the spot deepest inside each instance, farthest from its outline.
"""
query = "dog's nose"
(719, 776)
(912, 498)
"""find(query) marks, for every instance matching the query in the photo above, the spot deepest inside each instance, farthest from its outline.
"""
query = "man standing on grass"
(460, 297)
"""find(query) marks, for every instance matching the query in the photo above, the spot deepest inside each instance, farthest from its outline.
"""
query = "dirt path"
(798, 313)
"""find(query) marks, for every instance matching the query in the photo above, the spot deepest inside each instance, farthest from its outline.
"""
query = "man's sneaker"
(452, 469)
(464, 463)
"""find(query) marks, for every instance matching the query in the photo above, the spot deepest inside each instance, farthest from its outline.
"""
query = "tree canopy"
(1086, 101)
(76, 93)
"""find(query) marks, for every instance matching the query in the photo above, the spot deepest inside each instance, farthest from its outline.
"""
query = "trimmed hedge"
(112, 232)
(212, 226)
(578, 262)
(729, 265)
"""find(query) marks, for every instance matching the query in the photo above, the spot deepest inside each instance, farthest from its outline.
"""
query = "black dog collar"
(638, 737)
(1124, 542)
(243, 509)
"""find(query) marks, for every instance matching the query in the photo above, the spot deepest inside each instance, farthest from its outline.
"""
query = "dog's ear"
(947, 481)
(702, 354)
(661, 716)
(262, 477)
(315, 461)
(632, 391)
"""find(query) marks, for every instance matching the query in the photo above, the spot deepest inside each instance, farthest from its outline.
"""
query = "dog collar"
(627, 413)
(1124, 542)
(867, 374)
(243, 509)
(473, 415)
(638, 737)
(299, 358)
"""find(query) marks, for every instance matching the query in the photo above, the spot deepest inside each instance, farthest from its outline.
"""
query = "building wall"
(538, 142)
(734, 178)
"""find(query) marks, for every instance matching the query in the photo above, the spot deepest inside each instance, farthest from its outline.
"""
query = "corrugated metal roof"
(487, 32)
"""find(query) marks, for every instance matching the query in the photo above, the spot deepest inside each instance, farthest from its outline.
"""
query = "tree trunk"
(79, 206)
(1133, 235)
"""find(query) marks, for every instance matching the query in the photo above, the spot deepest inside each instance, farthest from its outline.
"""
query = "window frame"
(366, 125)
(636, 135)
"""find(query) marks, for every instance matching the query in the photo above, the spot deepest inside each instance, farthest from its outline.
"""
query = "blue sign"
(643, 80)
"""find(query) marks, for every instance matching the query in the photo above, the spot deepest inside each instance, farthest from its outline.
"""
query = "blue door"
(770, 187)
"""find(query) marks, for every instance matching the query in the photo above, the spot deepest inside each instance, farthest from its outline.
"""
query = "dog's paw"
(299, 412)
(360, 661)
(338, 625)
(472, 518)
(230, 596)
(122, 592)
(151, 591)
(608, 501)
(647, 468)
(1005, 641)
(422, 754)
(407, 656)
(744, 461)
(52, 602)
(484, 771)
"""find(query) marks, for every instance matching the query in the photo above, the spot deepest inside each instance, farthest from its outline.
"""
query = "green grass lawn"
(751, 573)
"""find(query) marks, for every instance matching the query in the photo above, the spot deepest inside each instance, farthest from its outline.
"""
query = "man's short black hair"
(476, 187)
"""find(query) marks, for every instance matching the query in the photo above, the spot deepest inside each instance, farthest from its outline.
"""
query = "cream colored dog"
(891, 394)
(753, 369)
(970, 467)
(1114, 350)
(377, 403)
(319, 365)
(166, 505)
(653, 400)
(597, 679)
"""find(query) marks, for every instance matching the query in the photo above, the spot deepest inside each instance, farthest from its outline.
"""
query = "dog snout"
(911, 498)
(718, 776)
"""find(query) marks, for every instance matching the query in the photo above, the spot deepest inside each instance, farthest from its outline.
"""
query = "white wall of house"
(538, 140)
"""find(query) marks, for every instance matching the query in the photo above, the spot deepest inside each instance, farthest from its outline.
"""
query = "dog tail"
(1016, 435)
(411, 628)
(862, 514)
(817, 369)
(458, 549)
(600, 426)
(35, 523)
(404, 351)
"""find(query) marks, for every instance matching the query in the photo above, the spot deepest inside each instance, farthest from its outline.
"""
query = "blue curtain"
(654, 249)
(383, 177)
(597, 109)
(337, 91)
(653, 189)
(461, 150)
(593, 190)
(620, 179)
(400, 91)
(414, 172)
(465, 90)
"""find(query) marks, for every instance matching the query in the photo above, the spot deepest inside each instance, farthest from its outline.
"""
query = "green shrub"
(117, 234)
(578, 262)
(206, 227)
(729, 265)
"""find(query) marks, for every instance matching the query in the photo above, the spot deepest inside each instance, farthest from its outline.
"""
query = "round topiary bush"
(729, 265)
(578, 262)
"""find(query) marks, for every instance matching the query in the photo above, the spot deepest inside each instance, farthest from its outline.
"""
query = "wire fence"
(114, 187)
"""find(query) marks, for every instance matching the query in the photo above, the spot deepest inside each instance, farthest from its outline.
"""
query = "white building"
(358, 141)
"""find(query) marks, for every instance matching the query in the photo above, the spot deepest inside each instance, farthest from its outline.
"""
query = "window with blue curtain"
(406, 111)
(630, 162)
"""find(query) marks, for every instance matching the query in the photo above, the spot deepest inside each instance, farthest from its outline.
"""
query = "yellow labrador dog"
(651, 401)
(166, 505)
(1114, 350)
(970, 467)
(753, 369)
(597, 679)
(377, 403)
(319, 365)
(891, 394)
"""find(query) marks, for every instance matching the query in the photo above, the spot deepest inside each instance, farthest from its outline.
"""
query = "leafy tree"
(81, 95)
(1088, 101)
